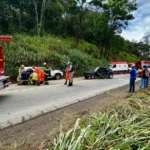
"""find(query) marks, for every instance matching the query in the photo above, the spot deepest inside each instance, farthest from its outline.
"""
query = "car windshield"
(96, 69)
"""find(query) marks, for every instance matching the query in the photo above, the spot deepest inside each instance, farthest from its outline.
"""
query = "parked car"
(54, 74)
(99, 72)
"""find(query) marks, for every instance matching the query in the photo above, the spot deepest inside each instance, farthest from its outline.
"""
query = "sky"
(141, 24)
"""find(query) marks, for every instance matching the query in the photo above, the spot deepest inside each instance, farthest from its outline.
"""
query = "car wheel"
(58, 77)
(110, 76)
(86, 77)
(92, 77)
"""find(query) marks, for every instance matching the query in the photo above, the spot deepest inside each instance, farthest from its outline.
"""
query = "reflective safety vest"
(46, 71)
(34, 76)
(42, 75)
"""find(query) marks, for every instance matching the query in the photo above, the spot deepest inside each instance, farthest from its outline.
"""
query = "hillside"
(56, 51)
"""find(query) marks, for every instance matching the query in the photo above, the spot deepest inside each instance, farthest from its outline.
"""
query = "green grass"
(123, 127)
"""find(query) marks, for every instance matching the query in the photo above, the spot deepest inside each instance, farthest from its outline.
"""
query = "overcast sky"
(141, 24)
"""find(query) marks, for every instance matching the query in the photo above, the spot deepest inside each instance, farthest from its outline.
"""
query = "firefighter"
(37, 70)
(34, 78)
(46, 73)
(21, 70)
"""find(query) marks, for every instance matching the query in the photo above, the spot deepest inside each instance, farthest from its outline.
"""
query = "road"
(20, 103)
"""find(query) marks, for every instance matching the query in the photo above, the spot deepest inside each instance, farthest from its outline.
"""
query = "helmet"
(44, 63)
(22, 66)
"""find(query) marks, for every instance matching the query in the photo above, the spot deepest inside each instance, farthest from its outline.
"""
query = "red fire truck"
(4, 80)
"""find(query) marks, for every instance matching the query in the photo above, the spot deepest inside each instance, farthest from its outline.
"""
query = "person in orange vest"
(67, 74)
(41, 76)
(36, 69)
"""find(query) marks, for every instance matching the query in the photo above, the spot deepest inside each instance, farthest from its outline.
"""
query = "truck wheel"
(58, 77)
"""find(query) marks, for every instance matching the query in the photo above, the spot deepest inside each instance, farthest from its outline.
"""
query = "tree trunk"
(37, 18)
(39, 21)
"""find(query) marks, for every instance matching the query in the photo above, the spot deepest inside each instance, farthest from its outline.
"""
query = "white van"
(119, 67)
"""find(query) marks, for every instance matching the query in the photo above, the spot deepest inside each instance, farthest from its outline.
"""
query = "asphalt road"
(20, 103)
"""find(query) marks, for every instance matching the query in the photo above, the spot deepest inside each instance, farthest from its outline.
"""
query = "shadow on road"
(4, 98)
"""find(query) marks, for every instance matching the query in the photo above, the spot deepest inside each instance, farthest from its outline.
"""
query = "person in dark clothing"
(71, 70)
(24, 77)
(28, 72)
(144, 78)
(46, 73)
(132, 79)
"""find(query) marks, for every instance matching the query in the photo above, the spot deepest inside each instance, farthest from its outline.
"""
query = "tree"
(76, 11)
(39, 14)
(116, 15)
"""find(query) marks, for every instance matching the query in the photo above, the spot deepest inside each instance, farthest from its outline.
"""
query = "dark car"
(99, 72)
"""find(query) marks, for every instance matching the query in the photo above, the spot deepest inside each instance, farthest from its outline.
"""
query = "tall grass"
(124, 127)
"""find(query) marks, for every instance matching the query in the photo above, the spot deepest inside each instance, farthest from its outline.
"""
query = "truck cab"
(4, 80)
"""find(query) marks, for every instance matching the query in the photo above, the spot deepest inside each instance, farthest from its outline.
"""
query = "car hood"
(57, 71)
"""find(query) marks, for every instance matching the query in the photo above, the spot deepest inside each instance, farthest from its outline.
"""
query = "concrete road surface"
(20, 103)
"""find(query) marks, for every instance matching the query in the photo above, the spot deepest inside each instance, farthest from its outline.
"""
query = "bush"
(35, 50)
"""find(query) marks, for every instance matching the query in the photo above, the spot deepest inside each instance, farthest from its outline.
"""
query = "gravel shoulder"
(37, 133)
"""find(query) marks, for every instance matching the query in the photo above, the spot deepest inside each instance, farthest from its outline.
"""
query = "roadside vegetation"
(53, 50)
(123, 127)
(56, 51)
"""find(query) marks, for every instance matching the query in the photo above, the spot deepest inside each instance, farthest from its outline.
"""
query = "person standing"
(19, 77)
(71, 70)
(144, 78)
(132, 79)
(67, 74)
(21, 69)
(46, 73)
(148, 68)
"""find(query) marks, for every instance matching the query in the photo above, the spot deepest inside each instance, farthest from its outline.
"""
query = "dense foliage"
(97, 21)
(124, 127)
(55, 51)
